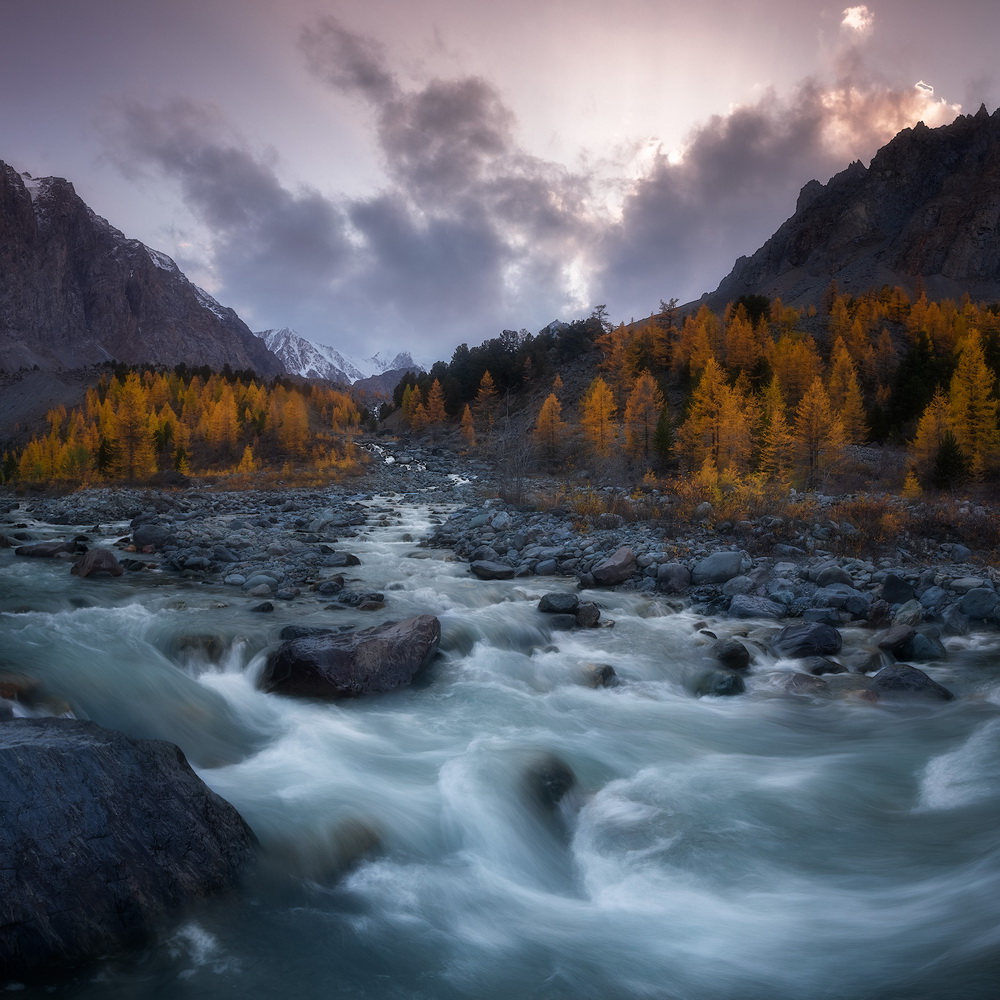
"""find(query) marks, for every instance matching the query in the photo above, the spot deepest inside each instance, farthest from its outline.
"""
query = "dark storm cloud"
(265, 237)
(470, 233)
(346, 61)
(684, 223)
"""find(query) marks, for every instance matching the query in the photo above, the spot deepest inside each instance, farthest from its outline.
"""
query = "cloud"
(264, 239)
(859, 19)
(685, 221)
(468, 233)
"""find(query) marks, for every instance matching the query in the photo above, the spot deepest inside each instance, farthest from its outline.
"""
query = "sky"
(388, 175)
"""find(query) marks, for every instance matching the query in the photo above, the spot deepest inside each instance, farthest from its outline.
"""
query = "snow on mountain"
(311, 360)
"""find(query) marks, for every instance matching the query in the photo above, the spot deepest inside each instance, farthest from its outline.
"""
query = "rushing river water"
(761, 846)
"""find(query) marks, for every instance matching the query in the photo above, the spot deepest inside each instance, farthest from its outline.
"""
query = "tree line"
(138, 422)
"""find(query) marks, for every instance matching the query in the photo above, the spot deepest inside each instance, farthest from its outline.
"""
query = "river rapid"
(770, 845)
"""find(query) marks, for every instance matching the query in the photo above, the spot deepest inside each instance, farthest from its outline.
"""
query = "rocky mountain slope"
(924, 213)
(311, 360)
(75, 291)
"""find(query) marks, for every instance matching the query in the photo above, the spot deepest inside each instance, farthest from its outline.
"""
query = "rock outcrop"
(76, 291)
(102, 837)
(924, 213)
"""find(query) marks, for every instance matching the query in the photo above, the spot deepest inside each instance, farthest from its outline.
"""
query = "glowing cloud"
(858, 19)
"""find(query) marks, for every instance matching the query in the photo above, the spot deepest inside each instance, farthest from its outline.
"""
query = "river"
(761, 846)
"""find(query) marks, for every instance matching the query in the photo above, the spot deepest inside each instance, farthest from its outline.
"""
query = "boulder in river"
(97, 562)
(103, 836)
(808, 639)
(903, 679)
(344, 664)
(47, 550)
(486, 569)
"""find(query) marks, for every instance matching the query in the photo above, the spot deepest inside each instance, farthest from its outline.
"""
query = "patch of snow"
(162, 261)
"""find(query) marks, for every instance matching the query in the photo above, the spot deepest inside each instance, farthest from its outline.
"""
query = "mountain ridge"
(75, 291)
(925, 214)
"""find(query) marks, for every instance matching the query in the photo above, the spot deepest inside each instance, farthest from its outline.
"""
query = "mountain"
(75, 291)
(311, 360)
(924, 213)
(302, 357)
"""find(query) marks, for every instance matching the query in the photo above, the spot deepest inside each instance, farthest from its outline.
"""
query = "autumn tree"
(597, 412)
(133, 455)
(643, 410)
(550, 429)
(845, 395)
(973, 405)
(718, 424)
(819, 436)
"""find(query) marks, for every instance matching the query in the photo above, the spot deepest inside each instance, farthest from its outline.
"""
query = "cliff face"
(75, 291)
(926, 211)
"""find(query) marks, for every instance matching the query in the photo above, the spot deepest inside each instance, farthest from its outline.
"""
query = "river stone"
(817, 665)
(721, 683)
(151, 534)
(833, 573)
(927, 645)
(808, 639)
(896, 640)
(673, 577)
(97, 562)
(717, 568)
(742, 606)
(901, 678)
(486, 569)
(45, 550)
(910, 613)
(556, 603)
(588, 615)
(600, 675)
(979, 603)
(344, 664)
(617, 568)
(732, 653)
(103, 836)
(896, 590)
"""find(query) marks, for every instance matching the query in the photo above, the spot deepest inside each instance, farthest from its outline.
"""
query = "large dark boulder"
(486, 569)
(344, 664)
(617, 568)
(808, 639)
(903, 679)
(97, 562)
(102, 836)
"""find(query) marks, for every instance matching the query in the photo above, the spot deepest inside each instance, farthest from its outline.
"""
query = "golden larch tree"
(597, 413)
(643, 409)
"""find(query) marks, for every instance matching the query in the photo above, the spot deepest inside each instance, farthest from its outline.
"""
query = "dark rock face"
(102, 836)
(77, 292)
(344, 664)
(808, 639)
(902, 679)
(925, 210)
